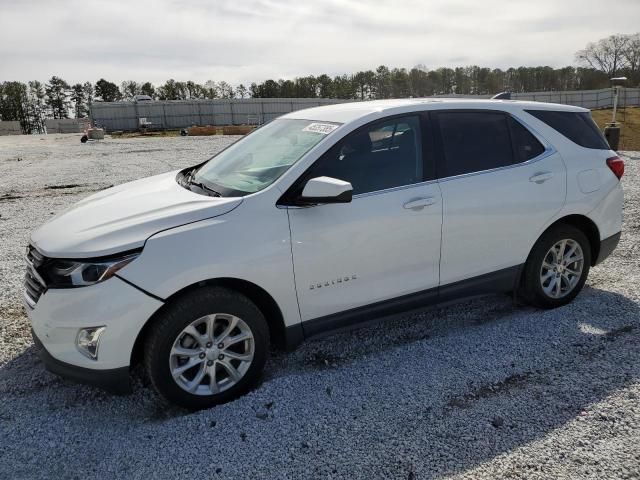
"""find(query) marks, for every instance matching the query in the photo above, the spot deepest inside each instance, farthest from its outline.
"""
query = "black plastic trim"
(115, 380)
(344, 197)
(607, 246)
(293, 336)
(501, 281)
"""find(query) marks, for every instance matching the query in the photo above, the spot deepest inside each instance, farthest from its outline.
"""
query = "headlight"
(78, 273)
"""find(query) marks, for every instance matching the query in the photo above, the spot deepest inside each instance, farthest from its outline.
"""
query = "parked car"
(320, 220)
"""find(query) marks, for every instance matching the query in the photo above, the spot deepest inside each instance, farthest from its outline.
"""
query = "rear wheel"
(557, 267)
(207, 348)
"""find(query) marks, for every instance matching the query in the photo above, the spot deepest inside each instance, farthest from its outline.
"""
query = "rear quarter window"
(578, 127)
(525, 145)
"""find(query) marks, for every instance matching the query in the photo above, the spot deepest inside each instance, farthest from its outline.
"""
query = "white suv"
(319, 220)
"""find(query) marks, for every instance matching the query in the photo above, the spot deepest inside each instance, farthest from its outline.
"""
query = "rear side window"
(576, 126)
(474, 141)
(525, 145)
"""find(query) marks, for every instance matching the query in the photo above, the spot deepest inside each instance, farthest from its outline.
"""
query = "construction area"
(481, 390)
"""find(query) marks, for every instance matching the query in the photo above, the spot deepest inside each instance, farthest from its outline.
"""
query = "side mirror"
(321, 190)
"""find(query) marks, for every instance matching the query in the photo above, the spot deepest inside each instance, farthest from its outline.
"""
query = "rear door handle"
(419, 203)
(541, 177)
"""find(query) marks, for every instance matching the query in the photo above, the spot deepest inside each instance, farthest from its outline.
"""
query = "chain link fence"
(177, 114)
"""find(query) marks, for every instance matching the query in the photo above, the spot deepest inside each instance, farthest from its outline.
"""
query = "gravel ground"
(482, 389)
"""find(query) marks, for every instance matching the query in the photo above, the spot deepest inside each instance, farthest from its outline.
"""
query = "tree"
(286, 88)
(88, 92)
(606, 55)
(343, 86)
(107, 91)
(254, 90)
(14, 104)
(241, 91)
(225, 89)
(57, 97)
(37, 106)
(211, 89)
(194, 90)
(129, 89)
(399, 82)
(364, 82)
(168, 91)
(631, 55)
(148, 89)
(382, 82)
(324, 86)
(79, 99)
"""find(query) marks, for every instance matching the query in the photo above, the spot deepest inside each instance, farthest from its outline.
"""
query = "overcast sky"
(252, 40)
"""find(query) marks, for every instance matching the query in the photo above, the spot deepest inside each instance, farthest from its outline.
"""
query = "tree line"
(32, 102)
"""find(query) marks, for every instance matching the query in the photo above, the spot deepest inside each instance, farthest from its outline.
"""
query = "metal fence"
(66, 125)
(10, 127)
(584, 98)
(185, 113)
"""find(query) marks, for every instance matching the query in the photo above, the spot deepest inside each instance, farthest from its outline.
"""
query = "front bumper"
(114, 380)
(60, 313)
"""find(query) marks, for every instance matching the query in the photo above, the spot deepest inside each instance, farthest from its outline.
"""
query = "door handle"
(541, 177)
(419, 203)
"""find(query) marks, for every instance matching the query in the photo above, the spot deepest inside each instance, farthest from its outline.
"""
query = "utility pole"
(612, 129)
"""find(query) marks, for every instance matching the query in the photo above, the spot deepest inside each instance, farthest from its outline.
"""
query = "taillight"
(616, 165)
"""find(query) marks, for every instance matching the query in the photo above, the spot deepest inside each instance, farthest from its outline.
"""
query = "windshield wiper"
(202, 186)
(188, 182)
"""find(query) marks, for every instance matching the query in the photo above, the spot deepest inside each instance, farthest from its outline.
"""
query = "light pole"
(612, 129)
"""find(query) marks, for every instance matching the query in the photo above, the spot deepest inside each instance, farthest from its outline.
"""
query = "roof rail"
(502, 96)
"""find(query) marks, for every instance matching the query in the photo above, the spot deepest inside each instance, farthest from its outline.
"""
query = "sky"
(252, 40)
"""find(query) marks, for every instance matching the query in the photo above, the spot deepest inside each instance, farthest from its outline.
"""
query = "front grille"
(34, 285)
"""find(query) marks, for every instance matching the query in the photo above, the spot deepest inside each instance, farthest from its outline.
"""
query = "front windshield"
(256, 161)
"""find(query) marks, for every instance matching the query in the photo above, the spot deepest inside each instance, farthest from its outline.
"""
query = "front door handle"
(541, 177)
(419, 203)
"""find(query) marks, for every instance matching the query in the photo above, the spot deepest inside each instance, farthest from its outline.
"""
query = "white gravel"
(482, 389)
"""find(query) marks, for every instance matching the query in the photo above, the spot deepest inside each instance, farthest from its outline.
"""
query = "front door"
(386, 242)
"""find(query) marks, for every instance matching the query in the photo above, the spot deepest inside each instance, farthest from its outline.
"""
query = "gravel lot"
(482, 389)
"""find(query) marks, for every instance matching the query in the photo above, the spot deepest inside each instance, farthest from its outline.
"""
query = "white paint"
(381, 245)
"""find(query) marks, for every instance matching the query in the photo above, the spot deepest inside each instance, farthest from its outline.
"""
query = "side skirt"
(501, 281)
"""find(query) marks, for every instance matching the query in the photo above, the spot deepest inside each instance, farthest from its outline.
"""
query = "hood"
(123, 217)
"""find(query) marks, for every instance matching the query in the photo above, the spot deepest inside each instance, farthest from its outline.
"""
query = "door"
(386, 242)
(500, 186)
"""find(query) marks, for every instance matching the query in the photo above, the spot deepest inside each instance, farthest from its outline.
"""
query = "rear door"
(500, 185)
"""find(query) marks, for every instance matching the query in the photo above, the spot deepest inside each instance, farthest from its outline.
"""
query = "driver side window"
(383, 155)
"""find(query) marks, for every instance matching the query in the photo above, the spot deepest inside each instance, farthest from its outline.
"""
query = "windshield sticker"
(323, 128)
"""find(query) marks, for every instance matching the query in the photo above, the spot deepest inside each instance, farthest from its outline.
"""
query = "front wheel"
(557, 267)
(207, 348)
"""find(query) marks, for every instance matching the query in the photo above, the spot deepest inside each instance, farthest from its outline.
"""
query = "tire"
(200, 312)
(83, 139)
(539, 287)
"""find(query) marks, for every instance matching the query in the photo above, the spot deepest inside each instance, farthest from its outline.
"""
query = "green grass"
(629, 119)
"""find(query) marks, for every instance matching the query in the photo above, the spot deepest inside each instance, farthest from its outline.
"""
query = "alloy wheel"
(561, 268)
(212, 354)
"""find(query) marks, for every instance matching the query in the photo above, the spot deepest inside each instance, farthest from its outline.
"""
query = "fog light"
(88, 340)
